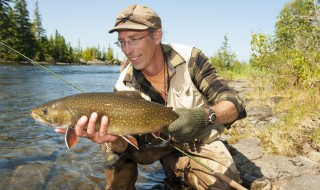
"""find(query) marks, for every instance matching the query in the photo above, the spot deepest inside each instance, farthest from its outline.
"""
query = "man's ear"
(158, 36)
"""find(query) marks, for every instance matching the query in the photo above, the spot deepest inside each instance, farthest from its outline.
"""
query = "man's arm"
(225, 101)
(225, 111)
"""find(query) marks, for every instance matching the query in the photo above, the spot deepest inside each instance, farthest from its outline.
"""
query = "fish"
(128, 114)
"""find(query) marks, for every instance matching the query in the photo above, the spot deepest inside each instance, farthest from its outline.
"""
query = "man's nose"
(126, 48)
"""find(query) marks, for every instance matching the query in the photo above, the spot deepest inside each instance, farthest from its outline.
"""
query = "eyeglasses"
(131, 42)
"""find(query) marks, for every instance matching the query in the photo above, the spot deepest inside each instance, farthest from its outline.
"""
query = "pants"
(214, 155)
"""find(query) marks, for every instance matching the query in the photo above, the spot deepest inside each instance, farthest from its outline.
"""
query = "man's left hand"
(189, 125)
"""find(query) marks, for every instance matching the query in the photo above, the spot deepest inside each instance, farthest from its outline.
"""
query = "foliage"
(30, 39)
(24, 35)
(39, 33)
(224, 59)
(7, 29)
(109, 55)
(291, 56)
(227, 64)
(287, 80)
(92, 53)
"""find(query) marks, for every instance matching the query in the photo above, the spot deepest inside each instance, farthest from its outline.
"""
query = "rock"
(29, 176)
(259, 171)
(311, 153)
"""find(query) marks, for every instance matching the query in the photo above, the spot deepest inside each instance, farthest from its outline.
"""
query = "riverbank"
(260, 169)
(81, 62)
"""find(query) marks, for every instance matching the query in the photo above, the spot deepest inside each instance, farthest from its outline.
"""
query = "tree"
(292, 56)
(7, 29)
(37, 28)
(59, 48)
(109, 56)
(39, 34)
(298, 21)
(25, 39)
(224, 59)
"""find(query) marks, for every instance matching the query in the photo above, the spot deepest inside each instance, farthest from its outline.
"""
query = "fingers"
(61, 131)
(80, 126)
(104, 126)
(91, 130)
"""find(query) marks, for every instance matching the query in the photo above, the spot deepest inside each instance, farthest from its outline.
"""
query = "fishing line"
(224, 178)
(44, 68)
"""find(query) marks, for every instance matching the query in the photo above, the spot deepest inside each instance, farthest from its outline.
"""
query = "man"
(180, 77)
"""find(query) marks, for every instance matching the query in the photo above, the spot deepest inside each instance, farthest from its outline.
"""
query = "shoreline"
(95, 63)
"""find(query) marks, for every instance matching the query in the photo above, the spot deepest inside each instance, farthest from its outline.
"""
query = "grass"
(296, 110)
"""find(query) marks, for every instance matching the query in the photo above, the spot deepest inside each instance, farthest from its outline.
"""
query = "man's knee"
(122, 176)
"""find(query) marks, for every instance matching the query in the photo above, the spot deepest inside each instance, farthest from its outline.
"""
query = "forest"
(30, 39)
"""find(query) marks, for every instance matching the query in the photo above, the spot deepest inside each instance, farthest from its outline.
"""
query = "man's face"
(138, 46)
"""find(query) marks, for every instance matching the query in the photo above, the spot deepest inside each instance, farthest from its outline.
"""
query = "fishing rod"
(224, 178)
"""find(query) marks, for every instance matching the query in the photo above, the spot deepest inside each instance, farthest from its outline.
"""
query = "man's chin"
(137, 66)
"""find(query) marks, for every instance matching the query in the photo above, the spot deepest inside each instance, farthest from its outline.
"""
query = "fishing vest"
(182, 93)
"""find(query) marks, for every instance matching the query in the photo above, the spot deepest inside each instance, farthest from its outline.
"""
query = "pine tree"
(109, 56)
(25, 39)
(7, 30)
(37, 28)
(39, 34)
(58, 48)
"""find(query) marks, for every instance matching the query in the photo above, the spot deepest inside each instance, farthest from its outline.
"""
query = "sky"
(199, 23)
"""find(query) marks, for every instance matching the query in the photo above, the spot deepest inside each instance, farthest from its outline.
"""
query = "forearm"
(225, 111)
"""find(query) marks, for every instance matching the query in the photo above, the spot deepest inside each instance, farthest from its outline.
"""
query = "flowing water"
(32, 155)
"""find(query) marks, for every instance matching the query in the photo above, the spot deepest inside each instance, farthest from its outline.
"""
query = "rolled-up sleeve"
(211, 84)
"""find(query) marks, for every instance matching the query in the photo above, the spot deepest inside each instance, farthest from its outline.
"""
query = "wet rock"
(29, 176)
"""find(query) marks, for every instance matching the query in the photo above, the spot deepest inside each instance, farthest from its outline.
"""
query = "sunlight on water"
(32, 155)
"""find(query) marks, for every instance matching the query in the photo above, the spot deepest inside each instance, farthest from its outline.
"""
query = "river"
(32, 155)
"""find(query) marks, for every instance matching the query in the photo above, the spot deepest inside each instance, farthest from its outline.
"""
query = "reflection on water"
(33, 156)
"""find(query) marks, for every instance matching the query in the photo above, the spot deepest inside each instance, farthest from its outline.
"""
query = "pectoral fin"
(131, 140)
(71, 137)
(156, 134)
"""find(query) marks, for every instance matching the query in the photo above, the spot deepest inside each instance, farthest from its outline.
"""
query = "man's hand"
(189, 125)
(99, 137)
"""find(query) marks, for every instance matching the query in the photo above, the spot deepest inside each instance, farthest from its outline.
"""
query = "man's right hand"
(115, 142)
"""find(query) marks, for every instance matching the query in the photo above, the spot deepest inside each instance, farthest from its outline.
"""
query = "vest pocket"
(187, 96)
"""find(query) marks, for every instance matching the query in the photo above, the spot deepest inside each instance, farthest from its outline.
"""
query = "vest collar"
(173, 59)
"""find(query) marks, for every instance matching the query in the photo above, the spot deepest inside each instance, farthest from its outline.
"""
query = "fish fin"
(156, 134)
(107, 146)
(164, 142)
(71, 137)
(131, 140)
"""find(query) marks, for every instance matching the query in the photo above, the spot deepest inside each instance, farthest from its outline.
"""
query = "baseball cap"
(137, 17)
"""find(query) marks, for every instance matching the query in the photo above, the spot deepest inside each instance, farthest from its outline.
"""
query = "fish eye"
(45, 111)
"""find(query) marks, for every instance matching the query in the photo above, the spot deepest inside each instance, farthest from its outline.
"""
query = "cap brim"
(129, 26)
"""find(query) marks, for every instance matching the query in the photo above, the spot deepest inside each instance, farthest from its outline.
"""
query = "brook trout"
(128, 113)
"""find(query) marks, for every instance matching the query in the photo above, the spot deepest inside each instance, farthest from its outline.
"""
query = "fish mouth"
(39, 119)
(36, 116)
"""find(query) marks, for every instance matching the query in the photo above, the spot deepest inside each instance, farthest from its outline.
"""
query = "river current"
(32, 155)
